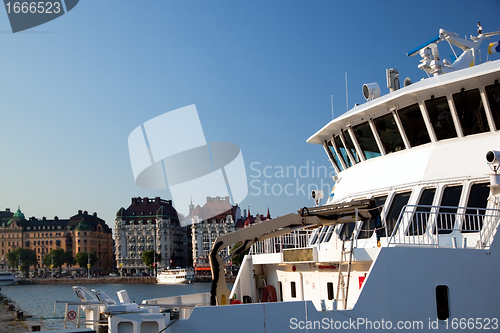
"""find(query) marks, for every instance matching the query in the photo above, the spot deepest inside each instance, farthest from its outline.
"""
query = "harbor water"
(38, 300)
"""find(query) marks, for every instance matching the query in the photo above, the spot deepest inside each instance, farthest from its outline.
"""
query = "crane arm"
(306, 218)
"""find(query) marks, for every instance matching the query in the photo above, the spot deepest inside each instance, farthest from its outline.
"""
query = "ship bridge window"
(418, 223)
(342, 151)
(350, 146)
(493, 93)
(329, 233)
(366, 140)
(440, 116)
(400, 200)
(368, 227)
(414, 125)
(333, 155)
(478, 198)
(470, 112)
(446, 215)
(389, 134)
(347, 230)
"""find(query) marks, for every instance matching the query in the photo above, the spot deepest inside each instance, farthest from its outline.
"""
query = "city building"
(80, 233)
(216, 217)
(150, 224)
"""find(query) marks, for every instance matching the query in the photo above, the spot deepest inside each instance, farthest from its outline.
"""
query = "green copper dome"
(18, 215)
(83, 226)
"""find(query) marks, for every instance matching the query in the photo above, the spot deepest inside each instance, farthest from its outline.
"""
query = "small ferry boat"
(175, 275)
(407, 238)
(7, 278)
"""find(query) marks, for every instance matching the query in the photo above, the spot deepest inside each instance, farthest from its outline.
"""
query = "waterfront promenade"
(8, 318)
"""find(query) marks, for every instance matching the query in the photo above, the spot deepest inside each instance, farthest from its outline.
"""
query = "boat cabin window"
(478, 198)
(342, 151)
(333, 155)
(440, 116)
(446, 214)
(293, 289)
(329, 233)
(418, 223)
(324, 231)
(329, 288)
(442, 306)
(389, 133)
(493, 94)
(366, 140)
(350, 145)
(470, 112)
(346, 231)
(318, 235)
(368, 227)
(400, 200)
(414, 125)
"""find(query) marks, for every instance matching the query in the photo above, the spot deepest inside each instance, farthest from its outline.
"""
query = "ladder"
(343, 283)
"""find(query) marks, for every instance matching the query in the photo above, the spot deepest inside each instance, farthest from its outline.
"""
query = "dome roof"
(83, 226)
(18, 215)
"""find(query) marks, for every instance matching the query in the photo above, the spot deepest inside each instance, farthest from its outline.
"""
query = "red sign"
(71, 315)
(361, 280)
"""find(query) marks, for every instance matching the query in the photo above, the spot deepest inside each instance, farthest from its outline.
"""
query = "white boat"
(175, 275)
(7, 278)
(407, 239)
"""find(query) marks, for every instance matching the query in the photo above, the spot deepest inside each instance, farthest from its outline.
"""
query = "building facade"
(80, 233)
(149, 224)
(216, 217)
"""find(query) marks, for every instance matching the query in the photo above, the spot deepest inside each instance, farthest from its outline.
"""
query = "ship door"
(311, 285)
(291, 286)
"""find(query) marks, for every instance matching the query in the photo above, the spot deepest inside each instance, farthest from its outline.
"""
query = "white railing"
(293, 240)
(423, 225)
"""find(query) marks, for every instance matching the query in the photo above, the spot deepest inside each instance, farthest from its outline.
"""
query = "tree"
(58, 257)
(148, 258)
(239, 257)
(83, 257)
(26, 257)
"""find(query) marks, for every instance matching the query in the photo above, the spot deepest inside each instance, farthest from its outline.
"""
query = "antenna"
(332, 106)
(346, 94)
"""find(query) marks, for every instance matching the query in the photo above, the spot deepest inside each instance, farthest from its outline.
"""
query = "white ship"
(7, 278)
(175, 275)
(407, 239)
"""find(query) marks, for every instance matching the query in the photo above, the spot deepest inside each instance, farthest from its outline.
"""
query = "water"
(38, 300)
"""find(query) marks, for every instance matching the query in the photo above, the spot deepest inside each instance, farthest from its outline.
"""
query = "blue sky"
(261, 74)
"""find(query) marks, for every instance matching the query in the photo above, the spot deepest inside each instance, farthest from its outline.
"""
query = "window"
(333, 155)
(329, 233)
(446, 216)
(342, 151)
(493, 94)
(293, 289)
(440, 116)
(470, 112)
(389, 133)
(414, 125)
(418, 223)
(400, 200)
(478, 198)
(346, 231)
(280, 287)
(329, 288)
(350, 146)
(366, 140)
(368, 227)
(442, 306)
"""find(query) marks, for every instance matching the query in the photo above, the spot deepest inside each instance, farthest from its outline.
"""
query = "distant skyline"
(261, 74)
